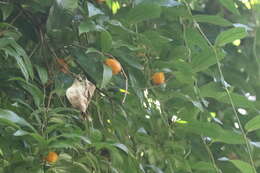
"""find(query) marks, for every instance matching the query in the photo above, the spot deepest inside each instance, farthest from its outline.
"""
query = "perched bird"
(80, 93)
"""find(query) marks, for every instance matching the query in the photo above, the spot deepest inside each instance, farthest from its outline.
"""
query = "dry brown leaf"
(80, 94)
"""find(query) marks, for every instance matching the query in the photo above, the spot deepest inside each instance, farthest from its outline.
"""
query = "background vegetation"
(205, 118)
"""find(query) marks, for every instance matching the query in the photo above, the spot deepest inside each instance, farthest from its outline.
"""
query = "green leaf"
(35, 136)
(230, 5)
(106, 41)
(42, 74)
(215, 91)
(91, 63)
(205, 59)
(212, 19)
(95, 135)
(62, 144)
(243, 166)
(144, 11)
(6, 10)
(120, 43)
(69, 5)
(1, 153)
(88, 26)
(122, 147)
(195, 40)
(21, 52)
(203, 166)
(156, 40)
(60, 16)
(253, 124)
(230, 35)
(19, 62)
(130, 60)
(14, 118)
(35, 92)
(164, 3)
(92, 10)
(21, 65)
(107, 75)
(214, 131)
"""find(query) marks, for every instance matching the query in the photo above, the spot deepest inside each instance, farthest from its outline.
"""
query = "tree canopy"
(172, 86)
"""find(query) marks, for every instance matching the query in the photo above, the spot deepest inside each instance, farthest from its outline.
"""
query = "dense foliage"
(203, 118)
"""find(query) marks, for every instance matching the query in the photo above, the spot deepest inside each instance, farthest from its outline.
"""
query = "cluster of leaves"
(205, 118)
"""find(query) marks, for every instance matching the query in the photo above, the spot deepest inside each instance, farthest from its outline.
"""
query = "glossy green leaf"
(106, 41)
(88, 26)
(230, 35)
(92, 10)
(244, 167)
(205, 59)
(212, 19)
(14, 118)
(130, 60)
(144, 11)
(107, 75)
(213, 90)
(253, 124)
(35, 136)
(215, 132)
(230, 5)
(22, 66)
(35, 92)
(69, 5)
(195, 39)
(203, 166)
(165, 3)
(122, 147)
(42, 74)
(6, 10)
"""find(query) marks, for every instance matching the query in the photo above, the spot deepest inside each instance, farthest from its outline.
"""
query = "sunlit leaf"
(230, 35)
(14, 118)
(243, 166)
(253, 124)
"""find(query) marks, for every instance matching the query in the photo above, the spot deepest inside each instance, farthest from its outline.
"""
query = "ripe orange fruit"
(114, 65)
(63, 66)
(158, 78)
(52, 157)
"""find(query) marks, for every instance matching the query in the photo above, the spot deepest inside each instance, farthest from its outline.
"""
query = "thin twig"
(210, 155)
(34, 50)
(16, 17)
(126, 85)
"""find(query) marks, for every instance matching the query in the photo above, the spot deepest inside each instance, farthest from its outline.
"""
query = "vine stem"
(255, 38)
(210, 155)
(196, 86)
(231, 101)
(226, 89)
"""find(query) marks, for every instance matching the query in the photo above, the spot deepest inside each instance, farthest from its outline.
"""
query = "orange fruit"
(52, 157)
(63, 66)
(114, 65)
(158, 78)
